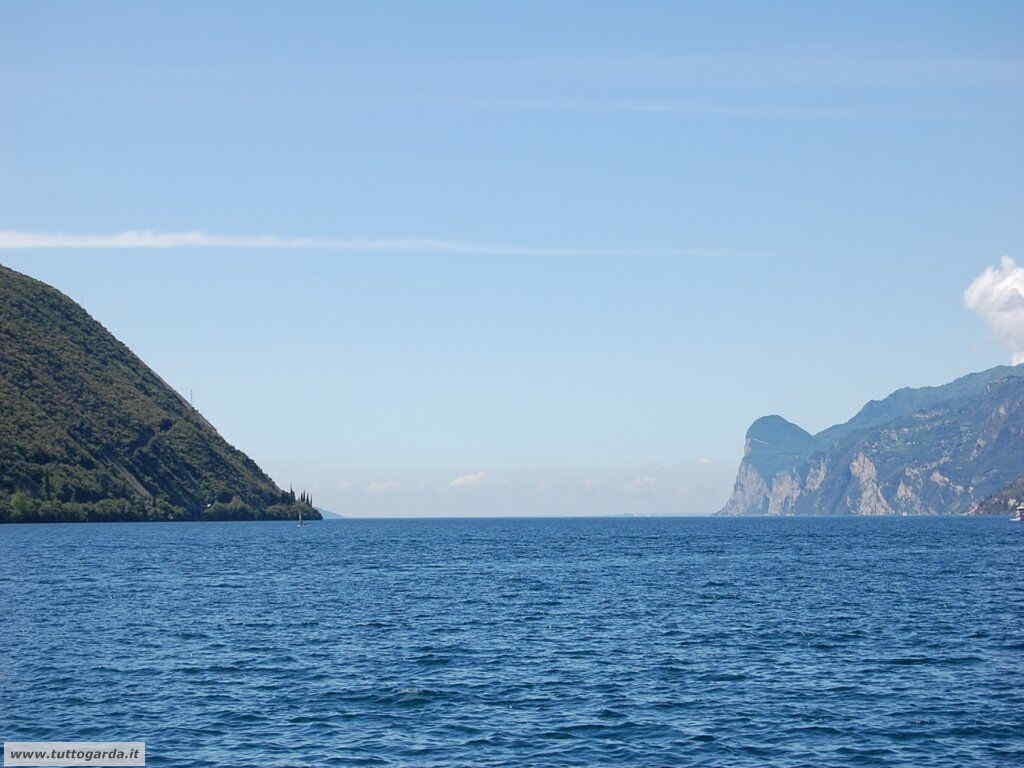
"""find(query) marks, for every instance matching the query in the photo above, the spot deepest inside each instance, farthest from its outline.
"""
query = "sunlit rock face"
(929, 451)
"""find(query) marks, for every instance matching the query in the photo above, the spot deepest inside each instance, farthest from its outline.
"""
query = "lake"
(521, 642)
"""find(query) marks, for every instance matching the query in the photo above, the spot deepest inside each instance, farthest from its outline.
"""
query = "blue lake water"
(558, 642)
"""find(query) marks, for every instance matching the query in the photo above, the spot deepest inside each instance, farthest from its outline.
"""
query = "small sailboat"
(300, 516)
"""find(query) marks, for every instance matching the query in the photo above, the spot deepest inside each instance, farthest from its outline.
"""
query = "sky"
(539, 258)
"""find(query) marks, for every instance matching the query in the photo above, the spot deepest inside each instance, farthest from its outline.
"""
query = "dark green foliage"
(89, 433)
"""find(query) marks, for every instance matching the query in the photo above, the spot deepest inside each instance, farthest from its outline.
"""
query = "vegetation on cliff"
(1003, 503)
(88, 432)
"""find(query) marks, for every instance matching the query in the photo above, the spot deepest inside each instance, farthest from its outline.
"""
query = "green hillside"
(88, 432)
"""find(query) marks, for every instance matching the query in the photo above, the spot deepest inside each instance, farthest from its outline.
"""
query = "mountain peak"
(931, 450)
(774, 443)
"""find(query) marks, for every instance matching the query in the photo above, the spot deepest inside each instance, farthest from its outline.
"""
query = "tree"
(23, 507)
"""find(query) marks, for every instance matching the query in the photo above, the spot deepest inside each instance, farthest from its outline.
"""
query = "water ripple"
(617, 642)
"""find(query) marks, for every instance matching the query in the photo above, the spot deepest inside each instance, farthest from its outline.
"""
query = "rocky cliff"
(89, 432)
(929, 451)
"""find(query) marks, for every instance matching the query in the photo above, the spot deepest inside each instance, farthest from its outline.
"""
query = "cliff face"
(89, 432)
(929, 451)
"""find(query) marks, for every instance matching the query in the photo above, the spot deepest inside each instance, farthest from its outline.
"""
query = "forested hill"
(1003, 503)
(88, 432)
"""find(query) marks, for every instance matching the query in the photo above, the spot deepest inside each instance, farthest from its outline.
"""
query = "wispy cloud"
(383, 486)
(642, 483)
(762, 70)
(667, 489)
(468, 481)
(738, 111)
(752, 86)
(14, 239)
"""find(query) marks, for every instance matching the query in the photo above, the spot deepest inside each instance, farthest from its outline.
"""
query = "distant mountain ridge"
(88, 432)
(925, 451)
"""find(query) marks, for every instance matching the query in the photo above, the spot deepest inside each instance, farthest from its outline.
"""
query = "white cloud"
(468, 481)
(663, 73)
(741, 111)
(997, 295)
(703, 460)
(383, 486)
(653, 489)
(642, 483)
(144, 238)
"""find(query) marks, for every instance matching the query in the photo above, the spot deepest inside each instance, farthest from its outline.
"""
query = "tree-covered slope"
(89, 432)
(1003, 503)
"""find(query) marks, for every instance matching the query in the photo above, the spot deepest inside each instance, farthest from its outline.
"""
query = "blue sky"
(574, 246)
